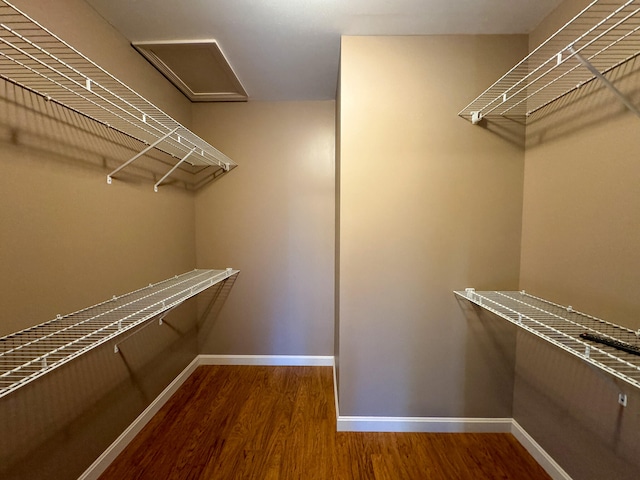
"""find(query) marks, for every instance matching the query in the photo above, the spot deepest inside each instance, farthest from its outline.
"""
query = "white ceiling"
(289, 49)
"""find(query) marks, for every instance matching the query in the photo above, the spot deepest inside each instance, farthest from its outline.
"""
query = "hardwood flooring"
(240, 422)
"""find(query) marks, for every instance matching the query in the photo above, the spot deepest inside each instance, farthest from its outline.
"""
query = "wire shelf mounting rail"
(562, 326)
(34, 58)
(603, 36)
(31, 353)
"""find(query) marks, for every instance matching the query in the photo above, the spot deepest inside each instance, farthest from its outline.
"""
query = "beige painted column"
(428, 204)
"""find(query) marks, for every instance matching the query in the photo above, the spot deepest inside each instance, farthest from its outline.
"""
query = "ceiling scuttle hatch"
(198, 69)
(37, 60)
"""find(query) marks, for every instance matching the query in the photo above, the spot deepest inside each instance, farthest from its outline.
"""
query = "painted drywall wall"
(581, 219)
(336, 261)
(571, 409)
(273, 219)
(55, 427)
(78, 24)
(428, 204)
(69, 241)
(581, 225)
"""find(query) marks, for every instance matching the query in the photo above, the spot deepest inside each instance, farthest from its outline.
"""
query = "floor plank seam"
(283, 414)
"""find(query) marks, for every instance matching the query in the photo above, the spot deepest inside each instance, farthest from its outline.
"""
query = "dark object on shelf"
(626, 347)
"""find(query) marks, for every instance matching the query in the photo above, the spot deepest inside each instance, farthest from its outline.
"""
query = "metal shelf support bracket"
(155, 187)
(135, 157)
(621, 96)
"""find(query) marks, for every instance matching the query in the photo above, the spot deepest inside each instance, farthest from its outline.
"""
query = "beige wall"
(581, 220)
(571, 409)
(79, 25)
(336, 259)
(56, 426)
(428, 204)
(581, 217)
(272, 218)
(69, 241)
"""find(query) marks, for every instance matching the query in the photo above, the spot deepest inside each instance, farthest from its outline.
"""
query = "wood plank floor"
(240, 422)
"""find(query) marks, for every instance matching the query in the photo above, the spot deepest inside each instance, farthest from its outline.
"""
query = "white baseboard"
(103, 461)
(454, 425)
(268, 360)
(424, 424)
(545, 460)
(343, 423)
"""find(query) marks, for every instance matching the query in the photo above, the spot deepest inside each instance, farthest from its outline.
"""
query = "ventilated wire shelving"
(562, 326)
(603, 36)
(36, 59)
(31, 353)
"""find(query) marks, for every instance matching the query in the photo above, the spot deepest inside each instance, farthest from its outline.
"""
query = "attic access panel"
(198, 69)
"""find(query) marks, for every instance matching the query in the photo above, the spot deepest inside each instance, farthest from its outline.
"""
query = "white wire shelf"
(562, 327)
(603, 36)
(36, 59)
(31, 353)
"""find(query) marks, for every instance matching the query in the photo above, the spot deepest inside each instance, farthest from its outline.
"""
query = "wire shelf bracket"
(34, 352)
(173, 169)
(562, 326)
(37, 60)
(135, 157)
(602, 37)
(621, 96)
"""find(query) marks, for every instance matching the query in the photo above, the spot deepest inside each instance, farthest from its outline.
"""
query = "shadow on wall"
(511, 129)
(590, 105)
(57, 425)
(490, 363)
(67, 137)
(571, 409)
(209, 304)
